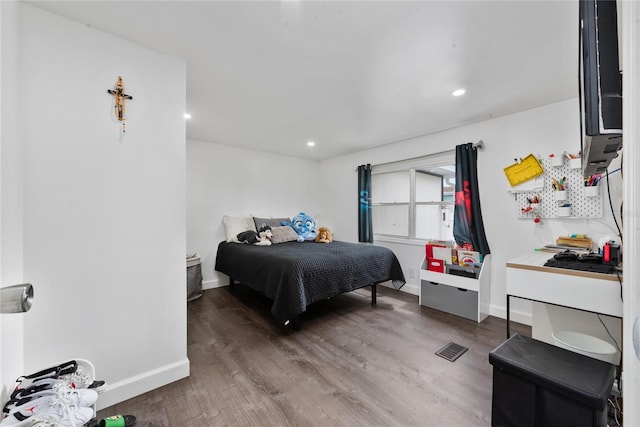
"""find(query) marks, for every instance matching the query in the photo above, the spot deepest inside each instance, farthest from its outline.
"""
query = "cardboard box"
(434, 264)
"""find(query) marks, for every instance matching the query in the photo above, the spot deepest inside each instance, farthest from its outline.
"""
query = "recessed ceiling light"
(187, 116)
(310, 143)
(458, 92)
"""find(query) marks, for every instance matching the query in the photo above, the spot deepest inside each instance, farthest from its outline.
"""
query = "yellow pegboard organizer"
(528, 168)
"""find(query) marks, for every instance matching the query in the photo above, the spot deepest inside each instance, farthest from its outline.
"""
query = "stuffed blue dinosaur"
(304, 225)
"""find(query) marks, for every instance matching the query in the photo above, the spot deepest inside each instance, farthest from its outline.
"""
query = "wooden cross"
(120, 98)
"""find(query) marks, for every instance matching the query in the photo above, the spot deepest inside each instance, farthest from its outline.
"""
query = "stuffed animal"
(324, 235)
(304, 225)
(261, 238)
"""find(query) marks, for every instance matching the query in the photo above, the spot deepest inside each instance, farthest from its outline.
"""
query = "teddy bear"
(261, 238)
(324, 235)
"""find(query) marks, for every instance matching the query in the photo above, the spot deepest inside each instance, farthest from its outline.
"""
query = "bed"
(296, 274)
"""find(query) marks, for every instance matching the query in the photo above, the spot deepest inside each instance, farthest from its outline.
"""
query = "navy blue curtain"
(365, 223)
(468, 227)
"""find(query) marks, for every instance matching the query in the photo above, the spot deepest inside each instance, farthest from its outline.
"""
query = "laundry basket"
(194, 277)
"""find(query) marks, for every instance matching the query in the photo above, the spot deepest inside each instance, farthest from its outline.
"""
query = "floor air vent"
(451, 351)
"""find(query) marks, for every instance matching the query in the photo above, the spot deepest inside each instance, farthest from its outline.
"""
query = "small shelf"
(462, 296)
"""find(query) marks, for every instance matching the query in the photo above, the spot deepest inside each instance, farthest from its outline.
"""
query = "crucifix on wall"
(120, 98)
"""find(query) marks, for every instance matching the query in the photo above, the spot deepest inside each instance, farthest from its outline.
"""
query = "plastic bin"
(194, 277)
(587, 345)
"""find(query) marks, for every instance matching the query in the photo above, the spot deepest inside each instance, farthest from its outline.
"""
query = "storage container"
(538, 384)
(194, 277)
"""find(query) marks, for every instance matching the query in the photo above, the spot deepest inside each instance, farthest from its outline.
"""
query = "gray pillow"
(283, 234)
(271, 222)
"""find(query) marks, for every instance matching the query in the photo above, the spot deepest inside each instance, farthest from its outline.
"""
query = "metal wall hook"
(16, 298)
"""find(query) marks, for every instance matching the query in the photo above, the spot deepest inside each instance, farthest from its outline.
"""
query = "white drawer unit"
(462, 296)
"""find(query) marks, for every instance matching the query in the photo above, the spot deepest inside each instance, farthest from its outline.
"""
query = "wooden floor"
(351, 364)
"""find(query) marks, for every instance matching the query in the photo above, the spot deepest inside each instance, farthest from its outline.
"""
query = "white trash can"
(587, 345)
(194, 277)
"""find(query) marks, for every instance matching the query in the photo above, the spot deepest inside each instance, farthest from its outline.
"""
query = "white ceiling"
(349, 75)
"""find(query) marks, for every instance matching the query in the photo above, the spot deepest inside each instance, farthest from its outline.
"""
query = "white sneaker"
(46, 421)
(61, 405)
(59, 388)
(21, 393)
(71, 417)
(79, 379)
(51, 372)
(73, 397)
(49, 421)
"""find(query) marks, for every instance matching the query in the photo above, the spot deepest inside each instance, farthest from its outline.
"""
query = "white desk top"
(535, 261)
(595, 292)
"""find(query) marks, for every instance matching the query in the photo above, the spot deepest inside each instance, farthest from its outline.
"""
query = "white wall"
(630, 30)
(223, 180)
(541, 131)
(11, 325)
(104, 219)
(104, 222)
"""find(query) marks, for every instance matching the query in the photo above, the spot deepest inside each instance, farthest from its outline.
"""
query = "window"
(414, 199)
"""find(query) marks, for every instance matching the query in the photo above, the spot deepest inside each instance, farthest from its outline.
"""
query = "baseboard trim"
(142, 383)
(410, 288)
(516, 315)
(214, 283)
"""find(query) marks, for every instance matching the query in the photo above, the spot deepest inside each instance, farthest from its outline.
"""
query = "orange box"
(434, 264)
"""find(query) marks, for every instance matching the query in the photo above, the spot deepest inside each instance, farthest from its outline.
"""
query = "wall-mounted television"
(600, 85)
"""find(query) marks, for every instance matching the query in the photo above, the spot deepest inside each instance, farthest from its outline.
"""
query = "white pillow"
(233, 225)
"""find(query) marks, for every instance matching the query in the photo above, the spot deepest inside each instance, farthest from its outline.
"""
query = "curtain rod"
(478, 145)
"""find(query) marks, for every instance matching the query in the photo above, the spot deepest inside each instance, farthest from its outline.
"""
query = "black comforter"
(295, 274)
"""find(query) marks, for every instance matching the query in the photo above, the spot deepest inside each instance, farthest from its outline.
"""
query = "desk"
(528, 278)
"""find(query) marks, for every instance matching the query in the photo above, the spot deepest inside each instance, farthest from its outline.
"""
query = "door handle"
(16, 298)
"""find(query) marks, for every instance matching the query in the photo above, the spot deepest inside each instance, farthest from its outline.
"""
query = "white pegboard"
(582, 206)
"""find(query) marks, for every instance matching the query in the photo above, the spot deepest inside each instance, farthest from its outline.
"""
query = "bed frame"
(294, 275)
